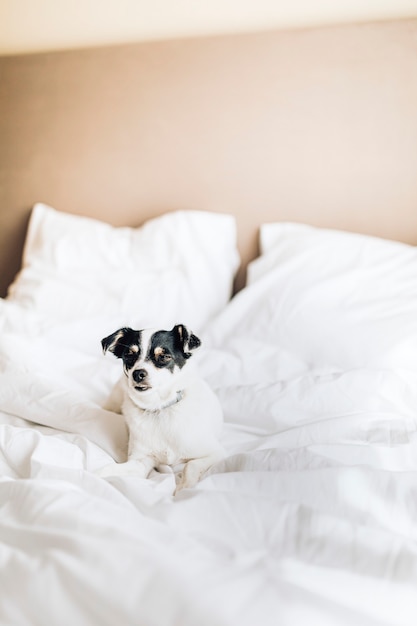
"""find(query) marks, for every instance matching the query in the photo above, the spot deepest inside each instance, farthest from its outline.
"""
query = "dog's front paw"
(194, 469)
(179, 482)
(186, 479)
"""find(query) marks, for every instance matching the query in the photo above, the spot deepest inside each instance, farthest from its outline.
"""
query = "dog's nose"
(139, 375)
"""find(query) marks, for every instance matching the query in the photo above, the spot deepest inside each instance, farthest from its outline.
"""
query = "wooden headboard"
(318, 126)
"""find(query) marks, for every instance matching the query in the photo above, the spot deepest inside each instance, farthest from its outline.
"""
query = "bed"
(308, 322)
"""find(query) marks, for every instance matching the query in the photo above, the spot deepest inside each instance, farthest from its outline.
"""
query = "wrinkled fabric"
(310, 519)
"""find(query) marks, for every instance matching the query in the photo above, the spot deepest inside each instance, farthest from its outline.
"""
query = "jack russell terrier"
(172, 416)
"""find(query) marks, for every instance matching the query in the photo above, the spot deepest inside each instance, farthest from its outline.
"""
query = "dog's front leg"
(140, 468)
(195, 468)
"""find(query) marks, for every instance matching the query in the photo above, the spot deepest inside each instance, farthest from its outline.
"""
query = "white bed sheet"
(311, 518)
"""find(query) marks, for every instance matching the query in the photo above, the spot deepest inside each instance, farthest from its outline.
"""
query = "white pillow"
(175, 268)
(330, 300)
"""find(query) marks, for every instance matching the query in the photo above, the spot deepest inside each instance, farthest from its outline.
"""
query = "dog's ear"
(185, 340)
(116, 342)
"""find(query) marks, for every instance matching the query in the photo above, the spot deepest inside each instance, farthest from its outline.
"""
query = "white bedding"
(311, 518)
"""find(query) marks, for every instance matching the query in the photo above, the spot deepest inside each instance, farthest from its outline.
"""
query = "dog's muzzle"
(139, 376)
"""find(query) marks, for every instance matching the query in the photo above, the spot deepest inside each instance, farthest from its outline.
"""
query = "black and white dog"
(172, 416)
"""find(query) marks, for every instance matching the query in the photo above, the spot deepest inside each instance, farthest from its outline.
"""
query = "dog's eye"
(163, 358)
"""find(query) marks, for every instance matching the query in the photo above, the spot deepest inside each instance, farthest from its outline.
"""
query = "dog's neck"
(179, 396)
(155, 403)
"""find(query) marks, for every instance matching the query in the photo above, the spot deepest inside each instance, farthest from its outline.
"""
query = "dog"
(172, 416)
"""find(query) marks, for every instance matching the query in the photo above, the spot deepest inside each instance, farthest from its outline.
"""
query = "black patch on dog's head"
(172, 347)
(167, 348)
(125, 344)
(185, 340)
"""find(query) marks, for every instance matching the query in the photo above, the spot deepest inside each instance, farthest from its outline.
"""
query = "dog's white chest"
(156, 434)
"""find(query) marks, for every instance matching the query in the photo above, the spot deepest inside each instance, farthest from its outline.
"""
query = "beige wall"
(35, 25)
(313, 125)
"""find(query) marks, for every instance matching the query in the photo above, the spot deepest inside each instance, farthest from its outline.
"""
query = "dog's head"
(152, 359)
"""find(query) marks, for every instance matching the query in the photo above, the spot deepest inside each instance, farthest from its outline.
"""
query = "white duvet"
(312, 517)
